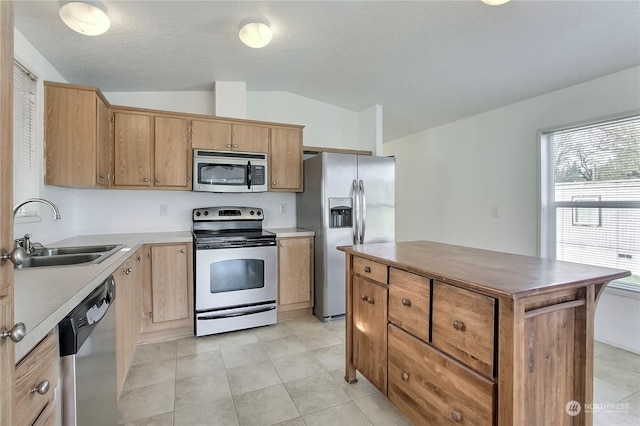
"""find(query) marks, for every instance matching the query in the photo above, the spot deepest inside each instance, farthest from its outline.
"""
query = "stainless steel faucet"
(56, 212)
(26, 242)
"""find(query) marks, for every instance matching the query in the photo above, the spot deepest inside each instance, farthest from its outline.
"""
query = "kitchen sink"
(57, 251)
(69, 256)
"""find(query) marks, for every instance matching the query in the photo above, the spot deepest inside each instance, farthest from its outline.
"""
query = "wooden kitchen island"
(453, 334)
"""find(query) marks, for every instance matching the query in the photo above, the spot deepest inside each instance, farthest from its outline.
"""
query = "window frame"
(547, 238)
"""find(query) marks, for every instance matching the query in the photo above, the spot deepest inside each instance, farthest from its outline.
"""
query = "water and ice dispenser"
(341, 212)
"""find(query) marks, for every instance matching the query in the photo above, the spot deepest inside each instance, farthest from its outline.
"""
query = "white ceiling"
(426, 62)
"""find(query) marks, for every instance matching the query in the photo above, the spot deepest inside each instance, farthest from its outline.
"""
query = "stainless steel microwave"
(229, 171)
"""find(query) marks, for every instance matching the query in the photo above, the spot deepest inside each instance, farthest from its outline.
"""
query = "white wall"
(47, 230)
(449, 179)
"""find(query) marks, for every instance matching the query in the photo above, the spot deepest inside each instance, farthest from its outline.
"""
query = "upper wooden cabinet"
(211, 135)
(223, 136)
(76, 136)
(151, 151)
(285, 159)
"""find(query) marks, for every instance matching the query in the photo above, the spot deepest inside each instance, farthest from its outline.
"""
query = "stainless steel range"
(235, 270)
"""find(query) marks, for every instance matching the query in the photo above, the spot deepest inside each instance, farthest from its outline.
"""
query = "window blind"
(593, 195)
(25, 163)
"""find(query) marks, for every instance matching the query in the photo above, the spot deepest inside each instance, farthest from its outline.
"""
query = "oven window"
(222, 174)
(236, 274)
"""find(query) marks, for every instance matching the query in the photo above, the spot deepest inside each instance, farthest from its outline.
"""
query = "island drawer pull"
(458, 325)
(406, 302)
(367, 269)
(456, 417)
(41, 388)
(370, 300)
(404, 376)
(364, 297)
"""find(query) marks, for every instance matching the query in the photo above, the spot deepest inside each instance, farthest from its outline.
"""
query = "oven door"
(235, 277)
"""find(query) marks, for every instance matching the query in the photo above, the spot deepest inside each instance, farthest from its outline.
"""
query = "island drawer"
(409, 296)
(463, 326)
(370, 269)
(433, 389)
(38, 366)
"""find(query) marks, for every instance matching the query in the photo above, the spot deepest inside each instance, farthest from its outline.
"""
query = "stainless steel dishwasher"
(88, 360)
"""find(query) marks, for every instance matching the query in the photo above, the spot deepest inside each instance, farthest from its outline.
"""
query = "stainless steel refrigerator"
(347, 199)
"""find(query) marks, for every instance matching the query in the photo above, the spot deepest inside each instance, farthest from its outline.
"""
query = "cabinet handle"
(458, 325)
(404, 376)
(370, 300)
(406, 302)
(364, 297)
(145, 179)
(139, 258)
(456, 417)
(101, 176)
(228, 145)
(274, 183)
(16, 334)
(127, 271)
(183, 251)
(281, 244)
(235, 145)
(41, 388)
(367, 269)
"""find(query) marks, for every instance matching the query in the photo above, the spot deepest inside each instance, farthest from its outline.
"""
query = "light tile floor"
(291, 374)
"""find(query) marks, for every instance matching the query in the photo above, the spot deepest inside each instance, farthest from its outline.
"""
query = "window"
(591, 196)
(26, 164)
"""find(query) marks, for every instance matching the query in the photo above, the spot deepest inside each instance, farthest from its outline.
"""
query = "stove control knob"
(252, 212)
(206, 212)
(198, 213)
(259, 213)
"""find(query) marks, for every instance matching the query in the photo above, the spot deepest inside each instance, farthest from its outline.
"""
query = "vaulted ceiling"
(426, 62)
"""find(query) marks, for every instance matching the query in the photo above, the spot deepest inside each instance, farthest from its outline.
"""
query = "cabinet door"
(370, 331)
(285, 159)
(128, 303)
(132, 149)
(294, 273)
(250, 138)
(171, 152)
(103, 149)
(70, 136)
(169, 284)
(210, 135)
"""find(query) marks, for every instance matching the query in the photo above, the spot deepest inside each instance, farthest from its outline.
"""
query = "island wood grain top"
(492, 272)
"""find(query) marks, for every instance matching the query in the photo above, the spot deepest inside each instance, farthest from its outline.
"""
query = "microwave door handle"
(354, 190)
(248, 174)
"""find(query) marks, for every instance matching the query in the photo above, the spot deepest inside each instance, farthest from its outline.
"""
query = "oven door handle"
(248, 174)
(236, 314)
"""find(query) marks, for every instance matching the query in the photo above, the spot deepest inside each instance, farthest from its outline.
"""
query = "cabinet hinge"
(149, 254)
(113, 119)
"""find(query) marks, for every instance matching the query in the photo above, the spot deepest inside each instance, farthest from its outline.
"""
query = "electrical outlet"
(283, 209)
(164, 210)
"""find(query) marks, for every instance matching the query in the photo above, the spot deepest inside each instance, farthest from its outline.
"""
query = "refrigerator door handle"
(363, 211)
(354, 189)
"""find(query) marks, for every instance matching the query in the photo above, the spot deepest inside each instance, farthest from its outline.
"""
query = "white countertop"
(44, 296)
(291, 232)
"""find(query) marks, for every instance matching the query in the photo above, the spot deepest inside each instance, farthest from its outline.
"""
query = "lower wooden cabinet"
(128, 279)
(370, 331)
(167, 291)
(433, 389)
(36, 377)
(295, 276)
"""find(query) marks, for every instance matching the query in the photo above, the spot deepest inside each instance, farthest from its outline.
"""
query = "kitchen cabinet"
(295, 277)
(128, 279)
(151, 151)
(285, 159)
(468, 342)
(225, 136)
(167, 295)
(369, 309)
(36, 377)
(76, 135)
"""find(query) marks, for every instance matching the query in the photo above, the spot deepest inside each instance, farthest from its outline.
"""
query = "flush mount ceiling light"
(85, 18)
(255, 34)
(494, 2)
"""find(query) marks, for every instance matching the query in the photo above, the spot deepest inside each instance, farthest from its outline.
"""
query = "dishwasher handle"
(97, 311)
